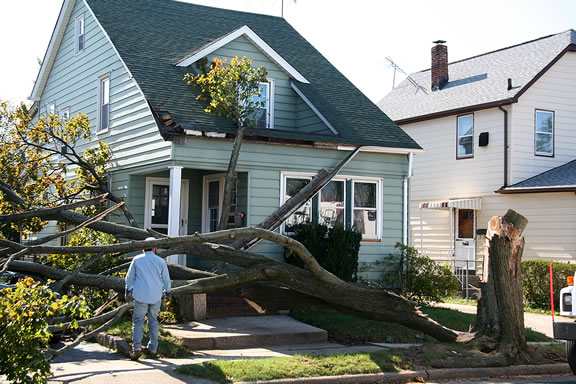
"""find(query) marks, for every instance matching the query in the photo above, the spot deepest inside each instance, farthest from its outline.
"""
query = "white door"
(465, 242)
(157, 202)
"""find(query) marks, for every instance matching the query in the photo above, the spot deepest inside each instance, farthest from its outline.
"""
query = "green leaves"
(24, 315)
(35, 158)
(232, 91)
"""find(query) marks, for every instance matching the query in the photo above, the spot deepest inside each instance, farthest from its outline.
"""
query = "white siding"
(551, 230)
(437, 172)
(554, 91)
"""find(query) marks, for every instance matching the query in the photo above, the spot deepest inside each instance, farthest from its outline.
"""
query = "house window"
(51, 108)
(263, 115)
(293, 185)
(332, 204)
(465, 143)
(104, 104)
(213, 199)
(79, 35)
(334, 207)
(544, 133)
(65, 114)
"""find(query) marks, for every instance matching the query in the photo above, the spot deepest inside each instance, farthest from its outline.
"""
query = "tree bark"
(500, 321)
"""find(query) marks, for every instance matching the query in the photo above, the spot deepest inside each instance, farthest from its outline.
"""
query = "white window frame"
(269, 105)
(65, 114)
(79, 34)
(347, 219)
(221, 178)
(283, 193)
(103, 91)
(536, 132)
(458, 137)
(150, 182)
(51, 108)
(378, 208)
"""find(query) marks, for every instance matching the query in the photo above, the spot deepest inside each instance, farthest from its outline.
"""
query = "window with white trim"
(212, 203)
(465, 139)
(365, 208)
(65, 114)
(544, 133)
(104, 103)
(79, 34)
(264, 113)
(353, 202)
(51, 108)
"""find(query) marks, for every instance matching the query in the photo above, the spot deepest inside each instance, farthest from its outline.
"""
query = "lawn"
(348, 329)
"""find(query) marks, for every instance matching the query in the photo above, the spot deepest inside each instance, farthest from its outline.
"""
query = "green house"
(123, 62)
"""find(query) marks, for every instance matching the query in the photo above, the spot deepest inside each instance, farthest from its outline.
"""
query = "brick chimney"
(439, 69)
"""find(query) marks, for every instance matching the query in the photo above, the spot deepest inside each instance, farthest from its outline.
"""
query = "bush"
(25, 311)
(416, 277)
(536, 282)
(336, 249)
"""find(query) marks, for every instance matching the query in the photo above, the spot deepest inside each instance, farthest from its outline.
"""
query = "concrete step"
(243, 332)
(221, 305)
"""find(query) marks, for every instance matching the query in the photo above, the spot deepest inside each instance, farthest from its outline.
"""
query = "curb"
(114, 342)
(427, 375)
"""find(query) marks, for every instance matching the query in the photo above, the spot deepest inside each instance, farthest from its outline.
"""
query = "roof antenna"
(408, 77)
(282, 9)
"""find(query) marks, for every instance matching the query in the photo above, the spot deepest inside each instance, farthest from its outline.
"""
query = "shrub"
(536, 282)
(416, 277)
(25, 311)
(336, 249)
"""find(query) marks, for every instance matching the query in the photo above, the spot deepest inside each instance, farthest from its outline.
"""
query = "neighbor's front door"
(465, 243)
(157, 203)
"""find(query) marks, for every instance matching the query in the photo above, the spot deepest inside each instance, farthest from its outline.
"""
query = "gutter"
(406, 200)
(505, 146)
(509, 191)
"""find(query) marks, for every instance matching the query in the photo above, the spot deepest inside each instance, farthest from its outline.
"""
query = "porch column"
(174, 210)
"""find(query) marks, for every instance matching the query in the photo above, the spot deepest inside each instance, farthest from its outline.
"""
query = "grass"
(299, 366)
(167, 345)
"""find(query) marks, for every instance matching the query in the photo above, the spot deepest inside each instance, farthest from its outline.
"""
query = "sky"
(356, 36)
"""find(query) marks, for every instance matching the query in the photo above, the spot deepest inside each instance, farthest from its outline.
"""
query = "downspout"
(405, 210)
(505, 146)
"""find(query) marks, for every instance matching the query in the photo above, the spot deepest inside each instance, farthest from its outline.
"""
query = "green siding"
(290, 111)
(73, 83)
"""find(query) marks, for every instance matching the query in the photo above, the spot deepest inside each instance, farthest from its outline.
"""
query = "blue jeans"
(140, 311)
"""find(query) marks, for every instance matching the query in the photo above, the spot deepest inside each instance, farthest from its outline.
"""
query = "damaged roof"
(152, 36)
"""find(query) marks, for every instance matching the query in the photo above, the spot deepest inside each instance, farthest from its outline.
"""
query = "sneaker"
(149, 352)
(135, 355)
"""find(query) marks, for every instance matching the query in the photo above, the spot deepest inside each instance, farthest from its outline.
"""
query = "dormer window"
(79, 36)
(264, 114)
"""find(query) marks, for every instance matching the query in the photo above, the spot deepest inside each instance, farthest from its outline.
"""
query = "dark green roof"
(153, 35)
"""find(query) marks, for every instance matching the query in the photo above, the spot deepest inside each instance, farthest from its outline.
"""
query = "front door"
(157, 203)
(465, 242)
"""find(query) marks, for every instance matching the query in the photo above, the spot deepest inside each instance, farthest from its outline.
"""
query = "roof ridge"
(224, 9)
(572, 31)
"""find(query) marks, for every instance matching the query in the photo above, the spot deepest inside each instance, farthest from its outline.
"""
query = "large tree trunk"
(500, 321)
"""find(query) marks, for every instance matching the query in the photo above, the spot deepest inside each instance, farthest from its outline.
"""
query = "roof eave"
(504, 191)
(52, 50)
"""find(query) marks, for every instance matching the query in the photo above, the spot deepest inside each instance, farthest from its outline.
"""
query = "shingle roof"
(152, 35)
(478, 81)
(560, 177)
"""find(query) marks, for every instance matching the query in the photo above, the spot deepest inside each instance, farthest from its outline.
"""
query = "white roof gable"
(254, 38)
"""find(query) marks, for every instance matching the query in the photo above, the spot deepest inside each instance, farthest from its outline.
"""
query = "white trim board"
(257, 40)
(313, 108)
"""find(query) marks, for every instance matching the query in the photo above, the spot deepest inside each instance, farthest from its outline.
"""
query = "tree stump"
(500, 315)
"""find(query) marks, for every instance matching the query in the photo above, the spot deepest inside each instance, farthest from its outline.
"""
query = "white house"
(499, 133)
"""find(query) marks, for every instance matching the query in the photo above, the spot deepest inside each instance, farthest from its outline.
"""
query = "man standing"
(145, 280)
